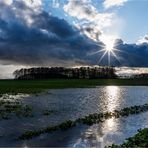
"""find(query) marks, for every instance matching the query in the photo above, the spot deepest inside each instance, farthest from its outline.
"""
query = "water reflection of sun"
(112, 97)
(110, 124)
(112, 91)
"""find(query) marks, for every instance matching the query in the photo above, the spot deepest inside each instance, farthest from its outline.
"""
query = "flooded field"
(59, 105)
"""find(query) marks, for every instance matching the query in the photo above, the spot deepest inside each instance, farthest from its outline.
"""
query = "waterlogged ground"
(59, 105)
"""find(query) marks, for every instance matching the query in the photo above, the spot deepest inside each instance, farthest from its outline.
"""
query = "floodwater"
(70, 104)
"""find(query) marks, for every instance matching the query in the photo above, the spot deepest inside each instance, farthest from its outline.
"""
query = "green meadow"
(36, 86)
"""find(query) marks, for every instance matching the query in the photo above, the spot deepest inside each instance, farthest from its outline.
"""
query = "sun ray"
(90, 54)
(102, 56)
(115, 56)
(109, 58)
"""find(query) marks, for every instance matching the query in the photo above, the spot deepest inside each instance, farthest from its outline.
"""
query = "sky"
(72, 33)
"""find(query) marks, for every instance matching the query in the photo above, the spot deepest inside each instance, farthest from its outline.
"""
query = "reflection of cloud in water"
(92, 137)
(110, 128)
(12, 97)
(100, 135)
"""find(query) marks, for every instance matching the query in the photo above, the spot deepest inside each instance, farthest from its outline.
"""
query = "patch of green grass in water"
(140, 140)
(10, 107)
(89, 120)
(47, 112)
(63, 126)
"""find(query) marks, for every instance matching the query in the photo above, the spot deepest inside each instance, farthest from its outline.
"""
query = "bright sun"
(108, 48)
(109, 42)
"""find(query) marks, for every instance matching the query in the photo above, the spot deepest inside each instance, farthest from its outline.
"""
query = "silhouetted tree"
(61, 72)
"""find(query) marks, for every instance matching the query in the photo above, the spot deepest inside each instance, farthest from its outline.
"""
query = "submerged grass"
(10, 107)
(138, 140)
(37, 86)
(47, 112)
(89, 120)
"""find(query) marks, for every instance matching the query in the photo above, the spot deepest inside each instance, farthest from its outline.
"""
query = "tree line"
(62, 72)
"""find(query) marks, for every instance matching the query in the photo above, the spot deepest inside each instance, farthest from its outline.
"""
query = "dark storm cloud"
(34, 37)
(135, 55)
(46, 40)
(57, 26)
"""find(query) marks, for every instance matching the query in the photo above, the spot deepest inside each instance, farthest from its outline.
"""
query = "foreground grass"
(139, 140)
(36, 86)
(88, 120)
(10, 107)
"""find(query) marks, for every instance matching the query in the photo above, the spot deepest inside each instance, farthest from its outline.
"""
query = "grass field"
(36, 86)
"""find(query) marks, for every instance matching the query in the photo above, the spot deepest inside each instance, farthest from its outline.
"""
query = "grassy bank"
(139, 140)
(35, 86)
